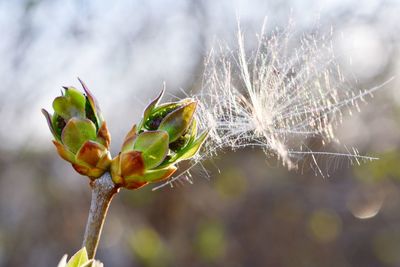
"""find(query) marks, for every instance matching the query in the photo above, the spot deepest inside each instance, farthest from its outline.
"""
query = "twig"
(103, 190)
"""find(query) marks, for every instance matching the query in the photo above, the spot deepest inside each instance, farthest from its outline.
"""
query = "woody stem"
(103, 190)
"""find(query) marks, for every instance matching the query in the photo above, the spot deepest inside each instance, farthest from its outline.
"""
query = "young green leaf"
(191, 149)
(79, 259)
(149, 109)
(177, 122)
(76, 132)
(154, 147)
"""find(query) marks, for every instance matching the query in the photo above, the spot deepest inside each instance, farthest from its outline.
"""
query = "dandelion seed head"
(290, 89)
(286, 91)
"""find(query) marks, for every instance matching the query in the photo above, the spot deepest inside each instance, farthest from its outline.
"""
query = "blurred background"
(248, 211)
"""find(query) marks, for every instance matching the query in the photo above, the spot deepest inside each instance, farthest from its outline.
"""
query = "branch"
(103, 190)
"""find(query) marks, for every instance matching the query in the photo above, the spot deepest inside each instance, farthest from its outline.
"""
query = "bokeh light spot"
(210, 241)
(363, 49)
(365, 202)
(325, 226)
(149, 248)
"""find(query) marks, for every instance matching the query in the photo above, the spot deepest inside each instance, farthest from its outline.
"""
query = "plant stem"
(103, 190)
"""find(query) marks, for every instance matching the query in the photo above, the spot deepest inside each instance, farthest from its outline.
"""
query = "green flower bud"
(80, 133)
(79, 259)
(166, 135)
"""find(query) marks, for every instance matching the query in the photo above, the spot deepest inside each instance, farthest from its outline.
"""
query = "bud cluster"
(166, 135)
(80, 133)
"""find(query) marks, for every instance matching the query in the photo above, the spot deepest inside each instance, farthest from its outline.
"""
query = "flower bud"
(80, 133)
(166, 135)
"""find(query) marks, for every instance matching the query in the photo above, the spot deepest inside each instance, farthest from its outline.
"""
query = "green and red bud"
(80, 133)
(166, 135)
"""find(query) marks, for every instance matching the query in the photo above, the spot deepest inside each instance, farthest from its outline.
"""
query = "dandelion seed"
(278, 97)
(287, 91)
